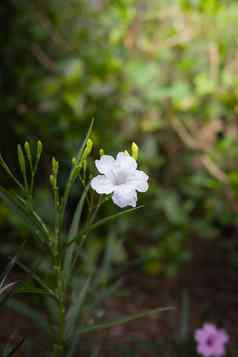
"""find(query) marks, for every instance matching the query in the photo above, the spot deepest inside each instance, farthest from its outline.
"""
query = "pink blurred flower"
(211, 341)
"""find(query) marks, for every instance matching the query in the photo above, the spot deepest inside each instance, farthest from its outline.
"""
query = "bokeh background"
(162, 73)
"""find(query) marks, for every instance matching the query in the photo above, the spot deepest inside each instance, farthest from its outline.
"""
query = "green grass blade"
(123, 320)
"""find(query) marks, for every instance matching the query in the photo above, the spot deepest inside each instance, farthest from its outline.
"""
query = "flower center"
(120, 178)
(210, 340)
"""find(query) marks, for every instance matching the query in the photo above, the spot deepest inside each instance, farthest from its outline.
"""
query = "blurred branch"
(215, 171)
(45, 22)
(214, 60)
(43, 58)
(192, 143)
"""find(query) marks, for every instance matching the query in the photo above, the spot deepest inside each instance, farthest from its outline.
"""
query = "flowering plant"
(211, 341)
(61, 246)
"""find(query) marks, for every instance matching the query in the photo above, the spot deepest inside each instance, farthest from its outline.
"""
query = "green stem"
(59, 346)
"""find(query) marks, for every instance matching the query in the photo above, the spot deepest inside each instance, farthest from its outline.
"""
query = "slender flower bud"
(55, 166)
(28, 152)
(38, 154)
(101, 152)
(134, 151)
(22, 162)
(74, 161)
(52, 181)
(88, 149)
(39, 150)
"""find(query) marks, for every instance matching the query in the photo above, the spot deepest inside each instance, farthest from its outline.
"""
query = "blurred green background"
(162, 73)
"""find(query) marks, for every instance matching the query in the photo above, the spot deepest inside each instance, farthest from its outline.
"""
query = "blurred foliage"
(161, 73)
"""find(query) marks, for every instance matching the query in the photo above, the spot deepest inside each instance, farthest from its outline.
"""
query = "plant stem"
(59, 346)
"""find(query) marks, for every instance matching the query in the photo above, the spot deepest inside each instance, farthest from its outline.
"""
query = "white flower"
(120, 177)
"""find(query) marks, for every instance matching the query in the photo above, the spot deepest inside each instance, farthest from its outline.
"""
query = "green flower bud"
(52, 180)
(28, 152)
(101, 152)
(22, 162)
(87, 150)
(74, 161)
(134, 151)
(55, 166)
(39, 150)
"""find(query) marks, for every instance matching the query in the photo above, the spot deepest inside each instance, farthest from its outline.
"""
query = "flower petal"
(126, 162)
(139, 181)
(124, 196)
(101, 184)
(105, 164)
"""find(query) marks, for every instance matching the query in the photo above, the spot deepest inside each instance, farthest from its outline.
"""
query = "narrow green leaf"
(73, 319)
(123, 320)
(33, 290)
(73, 233)
(39, 150)
(7, 270)
(75, 310)
(105, 220)
(9, 172)
(80, 153)
(37, 279)
(110, 218)
(27, 217)
(30, 313)
(78, 213)
(15, 348)
(74, 174)
(22, 164)
(7, 287)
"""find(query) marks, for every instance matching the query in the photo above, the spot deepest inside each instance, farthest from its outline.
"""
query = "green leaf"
(75, 310)
(74, 173)
(105, 220)
(29, 218)
(33, 290)
(22, 163)
(73, 233)
(9, 172)
(15, 348)
(80, 153)
(7, 270)
(36, 277)
(123, 320)
(30, 313)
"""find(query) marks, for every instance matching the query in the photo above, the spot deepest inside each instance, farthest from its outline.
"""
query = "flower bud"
(101, 152)
(28, 152)
(87, 150)
(55, 166)
(39, 150)
(21, 160)
(52, 181)
(134, 151)
(74, 161)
